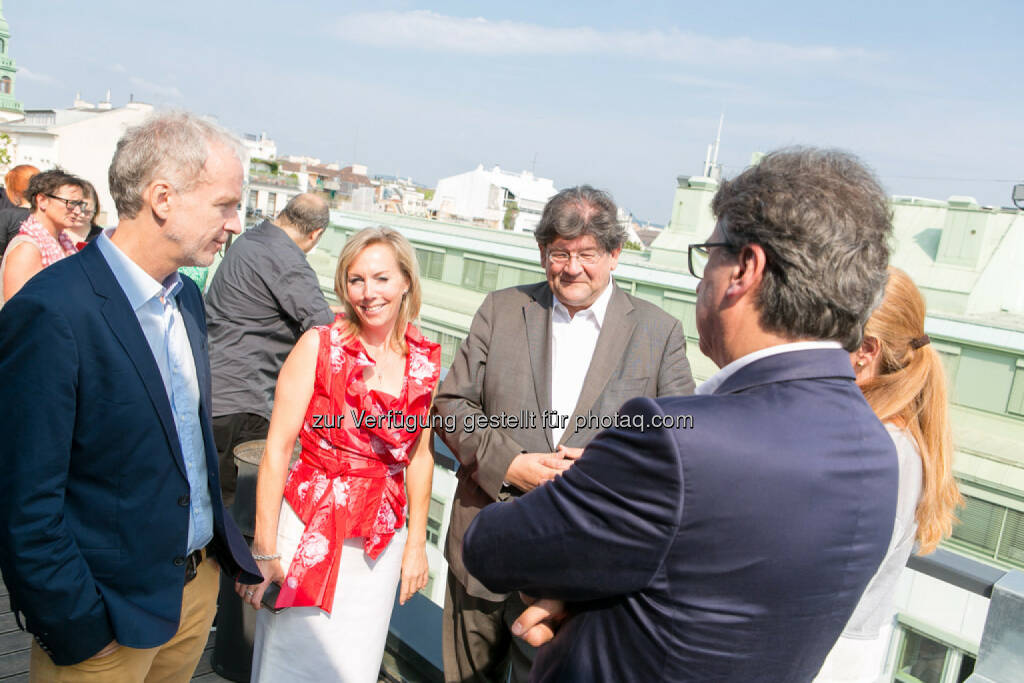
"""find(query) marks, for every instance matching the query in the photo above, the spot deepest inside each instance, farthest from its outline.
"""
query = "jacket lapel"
(616, 331)
(128, 332)
(537, 314)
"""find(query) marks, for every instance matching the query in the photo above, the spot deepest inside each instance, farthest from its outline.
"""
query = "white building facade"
(79, 140)
(484, 197)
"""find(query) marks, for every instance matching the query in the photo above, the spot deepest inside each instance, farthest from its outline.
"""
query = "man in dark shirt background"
(263, 296)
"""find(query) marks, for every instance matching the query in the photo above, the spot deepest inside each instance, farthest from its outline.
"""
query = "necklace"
(380, 355)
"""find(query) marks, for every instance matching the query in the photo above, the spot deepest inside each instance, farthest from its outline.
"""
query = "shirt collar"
(137, 284)
(716, 380)
(597, 309)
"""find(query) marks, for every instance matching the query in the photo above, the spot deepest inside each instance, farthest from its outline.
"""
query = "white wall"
(84, 148)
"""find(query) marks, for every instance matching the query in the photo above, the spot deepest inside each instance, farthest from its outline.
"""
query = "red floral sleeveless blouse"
(350, 481)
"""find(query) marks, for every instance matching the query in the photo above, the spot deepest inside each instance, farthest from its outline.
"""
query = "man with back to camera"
(735, 550)
(113, 515)
(263, 296)
(567, 351)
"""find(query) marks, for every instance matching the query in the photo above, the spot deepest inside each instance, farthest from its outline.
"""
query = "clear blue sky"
(624, 96)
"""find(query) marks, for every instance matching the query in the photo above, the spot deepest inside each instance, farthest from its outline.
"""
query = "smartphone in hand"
(270, 597)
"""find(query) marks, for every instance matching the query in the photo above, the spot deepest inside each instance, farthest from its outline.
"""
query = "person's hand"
(569, 452)
(527, 471)
(415, 572)
(111, 647)
(253, 594)
(563, 458)
(539, 622)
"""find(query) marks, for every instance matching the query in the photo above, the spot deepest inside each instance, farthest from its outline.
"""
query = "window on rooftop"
(431, 263)
(429, 588)
(924, 660)
(990, 530)
(983, 379)
(479, 275)
(685, 312)
(449, 344)
(528, 277)
(979, 525)
(1016, 403)
(5, 82)
(435, 521)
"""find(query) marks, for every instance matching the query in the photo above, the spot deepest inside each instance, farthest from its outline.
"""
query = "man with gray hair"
(566, 353)
(732, 546)
(112, 528)
(263, 296)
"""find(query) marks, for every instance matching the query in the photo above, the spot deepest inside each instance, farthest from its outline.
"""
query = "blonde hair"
(405, 255)
(910, 391)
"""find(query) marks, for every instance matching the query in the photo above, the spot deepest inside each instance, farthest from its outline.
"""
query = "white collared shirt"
(573, 340)
(729, 370)
(156, 308)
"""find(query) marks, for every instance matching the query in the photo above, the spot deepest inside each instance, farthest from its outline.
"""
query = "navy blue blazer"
(734, 550)
(94, 518)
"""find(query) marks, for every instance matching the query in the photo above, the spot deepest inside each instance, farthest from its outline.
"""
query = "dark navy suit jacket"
(95, 513)
(732, 551)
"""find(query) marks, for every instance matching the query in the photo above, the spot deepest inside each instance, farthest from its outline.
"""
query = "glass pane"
(471, 273)
(984, 378)
(979, 524)
(966, 668)
(1011, 548)
(528, 277)
(922, 658)
(490, 277)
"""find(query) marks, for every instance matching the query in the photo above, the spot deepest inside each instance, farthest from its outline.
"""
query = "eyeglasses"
(72, 204)
(697, 256)
(559, 257)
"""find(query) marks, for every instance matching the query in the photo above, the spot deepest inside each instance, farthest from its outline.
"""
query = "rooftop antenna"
(716, 170)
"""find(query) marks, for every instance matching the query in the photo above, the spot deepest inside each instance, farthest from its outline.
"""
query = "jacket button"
(179, 561)
(183, 500)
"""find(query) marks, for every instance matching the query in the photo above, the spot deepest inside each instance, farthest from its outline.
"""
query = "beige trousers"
(173, 662)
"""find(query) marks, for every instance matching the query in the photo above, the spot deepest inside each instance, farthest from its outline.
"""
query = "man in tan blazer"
(550, 363)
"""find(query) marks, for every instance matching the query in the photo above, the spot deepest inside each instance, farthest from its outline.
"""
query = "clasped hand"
(253, 594)
(527, 471)
(539, 621)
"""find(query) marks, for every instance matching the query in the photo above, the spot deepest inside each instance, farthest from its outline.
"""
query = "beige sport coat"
(503, 368)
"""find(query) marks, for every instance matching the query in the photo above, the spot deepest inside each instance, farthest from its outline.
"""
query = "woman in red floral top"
(357, 395)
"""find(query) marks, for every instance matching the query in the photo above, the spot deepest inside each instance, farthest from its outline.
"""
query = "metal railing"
(1001, 653)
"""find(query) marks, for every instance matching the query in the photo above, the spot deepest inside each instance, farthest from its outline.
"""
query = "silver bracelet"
(264, 558)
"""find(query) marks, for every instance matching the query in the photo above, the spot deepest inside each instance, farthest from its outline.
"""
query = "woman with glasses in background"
(85, 228)
(57, 202)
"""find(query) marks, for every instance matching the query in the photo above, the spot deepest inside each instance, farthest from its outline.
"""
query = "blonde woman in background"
(903, 381)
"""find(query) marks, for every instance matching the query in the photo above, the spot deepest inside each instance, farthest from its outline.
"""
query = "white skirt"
(306, 643)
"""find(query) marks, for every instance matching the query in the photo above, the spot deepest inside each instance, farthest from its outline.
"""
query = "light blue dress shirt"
(157, 310)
